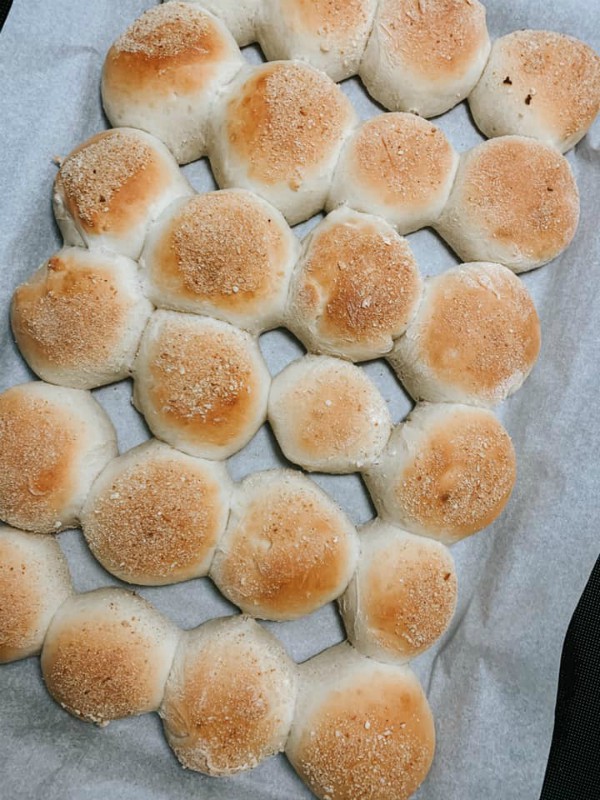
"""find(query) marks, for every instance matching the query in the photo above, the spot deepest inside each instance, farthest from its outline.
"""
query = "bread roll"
(163, 73)
(109, 189)
(53, 443)
(201, 384)
(329, 34)
(226, 254)
(474, 340)
(34, 582)
(446, 472)
(154, 515)
(425, 56)
(230, 697)
(327, 415)
(402, 596)
(361, 728)
(278, 130)
(514, 202)
(288, 548)
(240, 16)
(78, 320)
(107, 655)
(541, 84)
(355, 287)
(399, 167)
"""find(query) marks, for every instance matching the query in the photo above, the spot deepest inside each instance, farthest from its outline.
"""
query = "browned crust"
(286, 123)
(436, 39)
(461, 476)
(555, 77)
(522, 194)
(109, 182)
(159, 518)
(338, 20)
(70, 314)
(173, 47)
(223, 248)
(402, 159)
(479, 330)
(370, 739)
(203, 382)
(39, 455)
(223, 716)
(407, 595)
(101, 668)
(288, 553)
(369, 281)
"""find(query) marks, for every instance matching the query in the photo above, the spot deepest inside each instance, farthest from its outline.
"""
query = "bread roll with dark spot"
(34, 582)
(446, 472)
(401, 597)
(154, 515)
(78, 320)
(288, 548)
(361, 728)
(541, 84)
(355, 287)
(240, 16)
(278, 131)
(163, 73)
(225, 254)
(514, 202)
(425, 56)
(111, 187)
(201, 384)
(229, 700)
(399, 167)
(474, 339)
(328, 416)
(107, 655)
(329, 34)
(53, 444)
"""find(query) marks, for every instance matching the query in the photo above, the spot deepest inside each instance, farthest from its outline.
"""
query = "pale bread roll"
(474, 339)
(78, 320)
(34, 582)
(402, 596)
(53, 444)
(541, 84)
(110, 188)
(240, 16)
(288, 548)
(362, 729)
(355, 287)
(329, 34)
(425, 56)
(447, 472)
(225, 254)
(514, 202)
(328, 416)
(154, 515)
(201, 384)
(399, 167)
(278, 130)
(107, 655)
(163, 73)
(229, 700)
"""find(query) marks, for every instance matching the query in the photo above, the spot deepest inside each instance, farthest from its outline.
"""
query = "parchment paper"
(492, 679)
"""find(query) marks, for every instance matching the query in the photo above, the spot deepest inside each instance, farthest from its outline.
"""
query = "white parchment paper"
(492, 679)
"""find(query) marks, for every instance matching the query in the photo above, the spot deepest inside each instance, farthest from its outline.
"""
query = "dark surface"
(4, 9)
(573, 771)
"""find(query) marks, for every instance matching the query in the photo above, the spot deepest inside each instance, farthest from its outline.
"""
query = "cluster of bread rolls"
(213, 272)
(228, 693)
